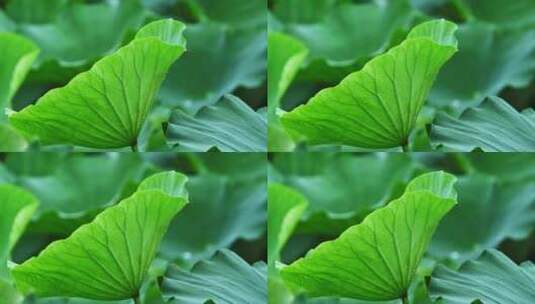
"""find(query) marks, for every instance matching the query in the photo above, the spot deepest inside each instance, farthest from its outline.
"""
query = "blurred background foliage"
(496, 51)
(496, 195)
(226, 51)
(227, 207)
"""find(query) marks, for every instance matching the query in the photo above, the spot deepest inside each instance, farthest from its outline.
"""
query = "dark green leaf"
(492, 278)
(219, 59)
(230, 126)
(224, 279)
(493, 126)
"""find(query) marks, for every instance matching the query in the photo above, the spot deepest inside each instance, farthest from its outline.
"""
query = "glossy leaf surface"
(106, 106)
(377, 259)
(108, 258)
(377, 107)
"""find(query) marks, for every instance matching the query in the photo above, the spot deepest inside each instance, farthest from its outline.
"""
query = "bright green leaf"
(230, 126)
(285, 55)
(285, 207)
(377, 107)
(11, 140)
(16, 209)
(224, 279)
(492, 278)
(493, 126)
(18, 54)
(377, 259)
(121, 88)
(108, 258)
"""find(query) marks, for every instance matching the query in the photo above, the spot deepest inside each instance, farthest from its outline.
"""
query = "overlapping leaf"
(493, 126)
(492, 278)
(342, 189)
(64, 203)
(285, 56)
(16, 209)
(18, 54)
(504, 210)
(285, 207)
(106, 106)
(108, 258)
(323, 27)
(377, 259)
(229, 126)
(489, 59)
(67, 32)
(502, 12)
(224, 279)
(377, 107)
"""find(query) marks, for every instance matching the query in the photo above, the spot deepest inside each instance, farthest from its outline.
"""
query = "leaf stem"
(405, 147)
(134, 147)
(137, 300)
(405, 299)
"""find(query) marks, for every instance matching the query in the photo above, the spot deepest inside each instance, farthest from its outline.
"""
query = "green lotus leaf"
(6, 24)
(230, 126)
(493, 126)
(228, 209)
(16, 209)
(489, 59)
(334, 50)
(377, 107)
(225, 278)
(502, 12)
(108, 258)
(285, 55)
(106, 106)
(492, 278)
(11, 140)
(243, 13)
(341, 188)
(67, 33)
(18, 55)
(296, 11)
(219, 59)
(64, 205)
(34, 11)
(285, 207)
(504, 211)
(377, 259)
